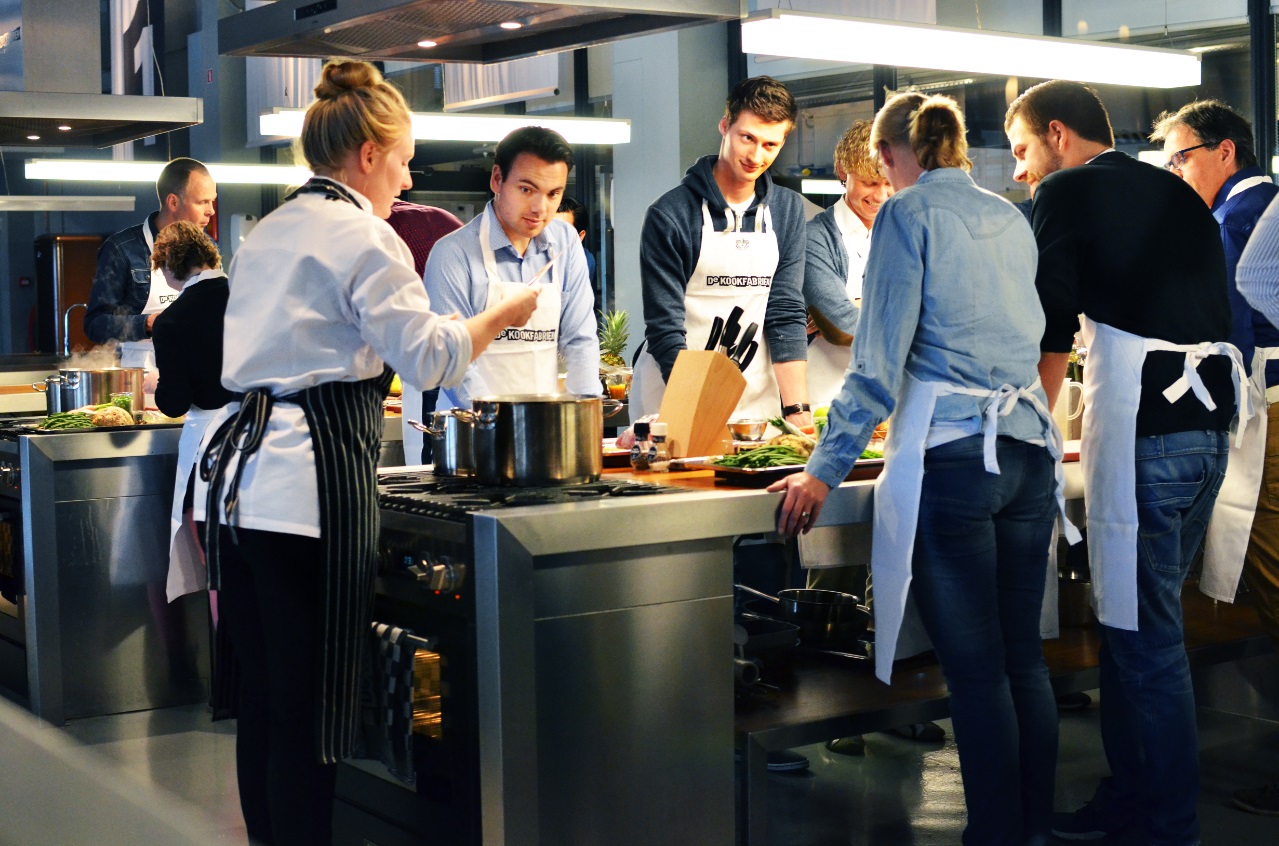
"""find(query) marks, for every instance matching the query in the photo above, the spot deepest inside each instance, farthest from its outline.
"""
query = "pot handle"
(40, 387)
(611, 407)
(419, 425)
(758, 593)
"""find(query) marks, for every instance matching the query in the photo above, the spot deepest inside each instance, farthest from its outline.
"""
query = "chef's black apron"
(345, 419)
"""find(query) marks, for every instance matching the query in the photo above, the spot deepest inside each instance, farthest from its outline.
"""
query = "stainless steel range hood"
(52, 53)
(462, 30)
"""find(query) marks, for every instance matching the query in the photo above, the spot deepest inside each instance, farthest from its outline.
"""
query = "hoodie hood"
(700, 180)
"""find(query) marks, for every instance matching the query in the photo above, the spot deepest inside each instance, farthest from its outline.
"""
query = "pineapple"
(614, 333)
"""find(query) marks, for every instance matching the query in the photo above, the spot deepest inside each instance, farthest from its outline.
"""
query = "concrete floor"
(901, 793)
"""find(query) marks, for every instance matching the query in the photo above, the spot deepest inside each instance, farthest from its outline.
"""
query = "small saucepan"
(827, 616)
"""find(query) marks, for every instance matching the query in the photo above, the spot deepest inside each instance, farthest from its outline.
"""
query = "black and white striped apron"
(345, 419)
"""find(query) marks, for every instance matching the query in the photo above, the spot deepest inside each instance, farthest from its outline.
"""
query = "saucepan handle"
(612, 406)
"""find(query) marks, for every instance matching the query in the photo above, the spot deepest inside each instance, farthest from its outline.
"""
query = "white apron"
(523, 360)
(141, 353)
(187, 570)
(734, 268)
(1107, 455)
(897, 492)
(828, 546)
(1231, 524)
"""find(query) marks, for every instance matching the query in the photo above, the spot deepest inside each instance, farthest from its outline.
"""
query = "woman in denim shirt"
(948, 342)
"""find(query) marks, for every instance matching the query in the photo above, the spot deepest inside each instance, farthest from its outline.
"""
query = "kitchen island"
(600, 640)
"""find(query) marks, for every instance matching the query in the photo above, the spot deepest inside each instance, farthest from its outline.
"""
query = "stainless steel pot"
(451, 442)
(539, 439)
(71, 389)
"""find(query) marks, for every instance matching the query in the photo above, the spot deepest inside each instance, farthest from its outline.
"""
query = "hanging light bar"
(435, 126)
(105, 170)
(820, 186)
(66, 203)
(877, 42)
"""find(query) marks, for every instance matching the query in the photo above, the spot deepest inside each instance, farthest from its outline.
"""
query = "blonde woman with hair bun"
(948, 343)
(324, 304)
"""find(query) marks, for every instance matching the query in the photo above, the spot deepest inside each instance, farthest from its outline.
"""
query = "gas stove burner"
(452, 498)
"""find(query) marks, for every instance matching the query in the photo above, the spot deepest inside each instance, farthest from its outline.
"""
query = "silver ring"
(803, 514)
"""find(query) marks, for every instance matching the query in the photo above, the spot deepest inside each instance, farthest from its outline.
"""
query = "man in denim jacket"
(124, 300)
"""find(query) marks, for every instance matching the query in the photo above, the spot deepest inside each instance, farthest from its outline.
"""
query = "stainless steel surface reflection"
(538, 439)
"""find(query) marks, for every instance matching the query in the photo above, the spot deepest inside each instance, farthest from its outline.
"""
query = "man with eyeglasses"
(1135, 252)
(1211, 147)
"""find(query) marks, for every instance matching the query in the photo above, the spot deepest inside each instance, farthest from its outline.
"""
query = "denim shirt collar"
(945, 174)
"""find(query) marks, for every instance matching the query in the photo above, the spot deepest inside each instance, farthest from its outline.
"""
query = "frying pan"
(824, 615)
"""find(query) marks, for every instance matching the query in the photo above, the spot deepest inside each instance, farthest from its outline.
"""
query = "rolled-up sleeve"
(1257, 276)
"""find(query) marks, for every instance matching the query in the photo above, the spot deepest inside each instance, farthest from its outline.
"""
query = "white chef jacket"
(321, 291)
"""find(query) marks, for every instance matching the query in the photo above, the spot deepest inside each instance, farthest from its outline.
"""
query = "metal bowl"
(747, 430)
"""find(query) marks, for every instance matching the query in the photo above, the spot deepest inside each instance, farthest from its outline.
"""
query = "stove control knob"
(446, 576)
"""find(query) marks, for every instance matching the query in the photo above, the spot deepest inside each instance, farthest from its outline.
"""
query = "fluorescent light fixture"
(860, 41)
(436, 126)
(82, 170)
(38, 203)
(820, 186)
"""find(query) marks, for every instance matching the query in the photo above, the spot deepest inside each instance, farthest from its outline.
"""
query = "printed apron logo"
(738, 281)
(527, 335)
(743, 244)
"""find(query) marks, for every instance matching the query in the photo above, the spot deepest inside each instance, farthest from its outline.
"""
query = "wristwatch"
(788, 410)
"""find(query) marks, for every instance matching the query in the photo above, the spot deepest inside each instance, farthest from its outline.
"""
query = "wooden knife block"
(704, 388)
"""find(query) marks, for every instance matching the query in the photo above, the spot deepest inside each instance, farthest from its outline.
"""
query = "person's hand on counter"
(802, 503)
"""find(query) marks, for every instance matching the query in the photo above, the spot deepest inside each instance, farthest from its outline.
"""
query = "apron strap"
(1192, 381)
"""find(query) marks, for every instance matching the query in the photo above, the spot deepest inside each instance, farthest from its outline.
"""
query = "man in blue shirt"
(517, 241)
(1210, 146)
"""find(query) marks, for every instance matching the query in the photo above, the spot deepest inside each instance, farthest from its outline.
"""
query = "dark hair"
(183, 247)
(1073, 104)
(547, 144)
(575, 208)
(1212, 122)
(763, 96)
(932, 126)
(175, 176)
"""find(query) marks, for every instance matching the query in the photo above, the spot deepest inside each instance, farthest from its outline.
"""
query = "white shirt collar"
(212, 273)
(848, 223)
(364, 202)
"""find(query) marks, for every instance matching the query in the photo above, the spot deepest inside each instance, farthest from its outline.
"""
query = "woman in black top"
(188, 355)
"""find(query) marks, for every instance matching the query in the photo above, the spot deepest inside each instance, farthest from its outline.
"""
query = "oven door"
(13, 638)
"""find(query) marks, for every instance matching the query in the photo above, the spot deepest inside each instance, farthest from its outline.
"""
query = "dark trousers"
(270, 604)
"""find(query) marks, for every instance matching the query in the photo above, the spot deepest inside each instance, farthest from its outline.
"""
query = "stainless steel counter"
(98, 634)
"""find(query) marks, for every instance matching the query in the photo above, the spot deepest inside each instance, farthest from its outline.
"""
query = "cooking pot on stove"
(71, 389)
(451, 441)
(539, 439)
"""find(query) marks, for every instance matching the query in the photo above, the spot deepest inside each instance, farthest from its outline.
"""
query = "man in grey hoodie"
(722, 264)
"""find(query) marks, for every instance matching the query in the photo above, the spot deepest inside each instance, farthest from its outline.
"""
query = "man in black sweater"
(1133, 250)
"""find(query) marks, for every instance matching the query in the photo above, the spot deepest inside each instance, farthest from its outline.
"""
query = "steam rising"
(99, 358)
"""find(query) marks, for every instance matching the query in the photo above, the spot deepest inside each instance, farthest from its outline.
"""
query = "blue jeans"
(1147, 702)
(981, 555)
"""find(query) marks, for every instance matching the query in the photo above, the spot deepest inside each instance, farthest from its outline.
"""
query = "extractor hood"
(452, 30)
(54, 119)
(51, 73)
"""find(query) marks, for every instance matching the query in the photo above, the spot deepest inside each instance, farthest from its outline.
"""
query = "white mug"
(1066, 410)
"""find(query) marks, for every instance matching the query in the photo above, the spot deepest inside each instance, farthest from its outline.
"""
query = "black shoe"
(923, 732)
(1073, 701)
(1101, 817)
(785, 761)
(855, 745)
(1258, 800)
